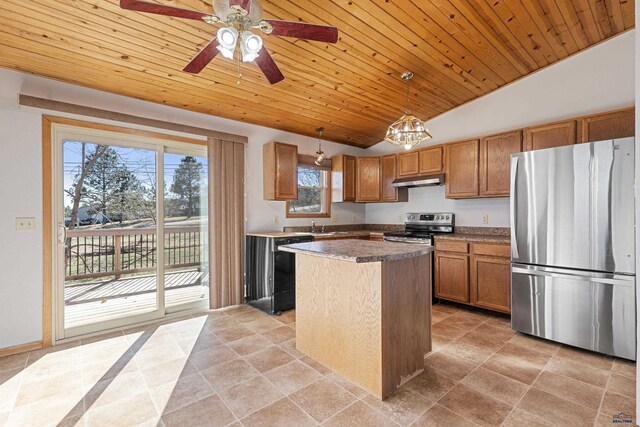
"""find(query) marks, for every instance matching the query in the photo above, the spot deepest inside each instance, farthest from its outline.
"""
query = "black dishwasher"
(271, 274)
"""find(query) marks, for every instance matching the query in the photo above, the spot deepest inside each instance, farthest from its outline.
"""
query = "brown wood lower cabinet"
(452, 276)
(489, 283)
(474, 273)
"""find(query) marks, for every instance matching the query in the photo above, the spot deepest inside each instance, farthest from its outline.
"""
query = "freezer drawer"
(594, 311)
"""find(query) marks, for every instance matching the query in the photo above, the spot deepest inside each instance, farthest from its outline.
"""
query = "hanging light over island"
(408, 131)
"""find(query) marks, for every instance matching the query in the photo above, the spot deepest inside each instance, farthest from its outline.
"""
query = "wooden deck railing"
(115, 252)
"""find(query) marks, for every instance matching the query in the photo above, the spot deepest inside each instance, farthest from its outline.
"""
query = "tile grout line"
(288, 396)
(606, 387)
(529, 389)
(475, 369)
(436, 402)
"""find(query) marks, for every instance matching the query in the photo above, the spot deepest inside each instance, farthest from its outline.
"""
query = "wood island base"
(370, 322)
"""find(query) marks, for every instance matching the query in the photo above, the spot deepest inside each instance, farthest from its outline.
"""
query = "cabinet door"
(280, 171)
(368, 179)
(431, 160)
(390, 193)
(452, 276)
(462, 160)
(409, 163)
(286, 171)
(549, 136)
(490, 284)
(495, 162)
(349, 179)
(618, 124)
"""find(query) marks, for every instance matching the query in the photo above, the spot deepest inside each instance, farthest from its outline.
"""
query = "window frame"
(327, 196)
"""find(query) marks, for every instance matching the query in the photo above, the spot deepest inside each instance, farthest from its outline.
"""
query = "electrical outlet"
(353, 219)
(335, 218)
(276, 219)
(485, 218)
(400, 218)
(26, 224)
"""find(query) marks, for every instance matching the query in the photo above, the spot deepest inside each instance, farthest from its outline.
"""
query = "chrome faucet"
(313, 226)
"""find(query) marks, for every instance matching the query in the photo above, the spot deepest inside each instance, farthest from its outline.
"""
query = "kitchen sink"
(317, 234)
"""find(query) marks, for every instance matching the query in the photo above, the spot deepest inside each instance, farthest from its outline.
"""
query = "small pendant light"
(408, 131)
(320, 156)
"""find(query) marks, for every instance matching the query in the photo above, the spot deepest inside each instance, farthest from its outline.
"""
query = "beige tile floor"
(239, 367)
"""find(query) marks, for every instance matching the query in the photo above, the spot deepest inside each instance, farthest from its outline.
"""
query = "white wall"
(598, 79)
(637, 91)
(21, 191)
(20, 252)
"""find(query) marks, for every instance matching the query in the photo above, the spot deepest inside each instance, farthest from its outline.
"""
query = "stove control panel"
(446, 218)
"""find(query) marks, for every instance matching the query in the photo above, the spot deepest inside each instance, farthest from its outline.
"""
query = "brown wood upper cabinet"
(551, 135)
(617, 124)
(461, 169)
(368, 179)
(495, 161)
(343, 176)
(409, 163)
(390, 193)
(428, 160)
(431, 160)
(280, 171)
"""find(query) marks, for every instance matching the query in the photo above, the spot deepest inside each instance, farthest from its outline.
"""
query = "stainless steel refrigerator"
(572, 245)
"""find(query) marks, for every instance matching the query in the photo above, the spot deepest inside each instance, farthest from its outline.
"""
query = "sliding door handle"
(62, 233)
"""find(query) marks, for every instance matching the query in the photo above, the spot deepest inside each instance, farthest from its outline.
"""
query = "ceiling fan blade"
(245, 4)
(203, 58)
(300, 30)
(143, 6)
(269, 67)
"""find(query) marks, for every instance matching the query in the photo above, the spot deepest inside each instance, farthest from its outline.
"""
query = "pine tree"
(186, 185)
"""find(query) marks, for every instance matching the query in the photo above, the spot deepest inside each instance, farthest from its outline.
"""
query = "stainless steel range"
(421, 227)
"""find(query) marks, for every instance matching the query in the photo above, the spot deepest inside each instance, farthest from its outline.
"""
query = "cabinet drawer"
(491, 249)
(452, 246)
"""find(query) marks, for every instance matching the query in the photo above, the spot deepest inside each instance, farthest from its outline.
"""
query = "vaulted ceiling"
(458, 50)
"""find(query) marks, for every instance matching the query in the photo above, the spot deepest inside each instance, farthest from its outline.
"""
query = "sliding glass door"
(186, 260)
(132, 241)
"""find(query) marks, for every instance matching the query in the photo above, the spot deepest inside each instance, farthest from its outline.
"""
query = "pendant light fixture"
(320, 156)
(408, 131)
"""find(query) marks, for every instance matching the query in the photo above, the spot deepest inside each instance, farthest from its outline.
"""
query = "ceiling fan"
(238, 17)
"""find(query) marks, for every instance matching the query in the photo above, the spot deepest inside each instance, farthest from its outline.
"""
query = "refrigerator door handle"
(514, 224)
(609, 279)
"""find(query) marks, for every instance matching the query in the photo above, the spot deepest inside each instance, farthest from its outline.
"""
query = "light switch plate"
(25, 224)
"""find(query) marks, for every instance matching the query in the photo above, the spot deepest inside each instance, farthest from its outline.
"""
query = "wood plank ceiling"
(458, 50)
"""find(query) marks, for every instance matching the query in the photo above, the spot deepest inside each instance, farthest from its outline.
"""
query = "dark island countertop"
(359, 251)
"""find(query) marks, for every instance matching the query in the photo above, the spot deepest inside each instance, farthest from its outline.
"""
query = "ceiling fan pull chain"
(239, 74)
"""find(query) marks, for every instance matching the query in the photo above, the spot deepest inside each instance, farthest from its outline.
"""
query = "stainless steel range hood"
(419, 181)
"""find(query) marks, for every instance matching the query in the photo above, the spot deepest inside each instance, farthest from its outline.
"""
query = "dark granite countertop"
(359, 251)
(483, 238)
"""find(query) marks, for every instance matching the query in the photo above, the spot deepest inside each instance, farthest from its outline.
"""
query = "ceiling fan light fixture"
(250, 46)
(408, 131)
(228, 38)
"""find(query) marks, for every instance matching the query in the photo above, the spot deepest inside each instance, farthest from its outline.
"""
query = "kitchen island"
(363, 309)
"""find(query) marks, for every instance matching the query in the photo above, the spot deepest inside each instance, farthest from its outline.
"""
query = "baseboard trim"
(22, 348)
